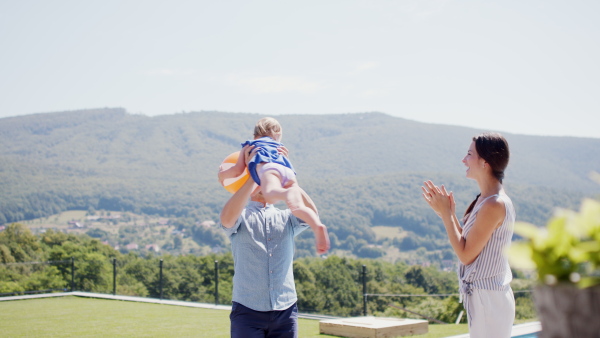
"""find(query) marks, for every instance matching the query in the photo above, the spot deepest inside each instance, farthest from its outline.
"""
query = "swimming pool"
(525, 330)
(529, 335)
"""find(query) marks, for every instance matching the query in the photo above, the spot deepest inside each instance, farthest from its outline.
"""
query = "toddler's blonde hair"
(267, 126)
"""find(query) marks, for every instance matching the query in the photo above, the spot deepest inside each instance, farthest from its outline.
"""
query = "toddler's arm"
(238, 167)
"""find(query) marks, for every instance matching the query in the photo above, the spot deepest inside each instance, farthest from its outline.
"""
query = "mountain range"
(361, 169)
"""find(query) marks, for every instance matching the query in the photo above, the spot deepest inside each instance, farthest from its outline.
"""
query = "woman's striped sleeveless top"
(490, 270)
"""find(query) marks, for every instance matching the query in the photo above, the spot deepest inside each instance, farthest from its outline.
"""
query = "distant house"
(153, 247)
(164, 222)
(207, 224)
(75, 224)
(132, 246)
(447, 265)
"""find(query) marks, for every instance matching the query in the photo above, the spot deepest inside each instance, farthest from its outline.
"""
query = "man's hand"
(249, 152)
(283, 151)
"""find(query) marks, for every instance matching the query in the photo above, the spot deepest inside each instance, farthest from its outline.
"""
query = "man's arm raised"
(236, 204)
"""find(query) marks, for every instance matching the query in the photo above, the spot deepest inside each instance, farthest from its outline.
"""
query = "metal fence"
(72, 268)
(71, 262)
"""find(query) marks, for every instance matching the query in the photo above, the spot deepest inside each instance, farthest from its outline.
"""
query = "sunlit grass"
(77, 317)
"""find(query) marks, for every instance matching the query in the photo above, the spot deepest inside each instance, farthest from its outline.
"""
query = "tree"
(5, 254)
(177, 242)
(415, 276)
(23, 245)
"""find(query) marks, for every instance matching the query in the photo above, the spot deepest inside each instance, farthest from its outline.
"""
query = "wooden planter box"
(373, 327)
(567, 311)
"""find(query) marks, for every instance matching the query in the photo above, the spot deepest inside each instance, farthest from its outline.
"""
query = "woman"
(480, 244)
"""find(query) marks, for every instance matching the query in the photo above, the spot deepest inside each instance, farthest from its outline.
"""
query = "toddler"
(274, 173)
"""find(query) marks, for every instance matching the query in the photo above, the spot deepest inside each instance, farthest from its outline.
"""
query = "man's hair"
(267, 126)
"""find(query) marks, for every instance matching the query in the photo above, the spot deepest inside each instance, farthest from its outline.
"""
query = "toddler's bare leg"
(270, 184)
(273, 192)
(296, 204)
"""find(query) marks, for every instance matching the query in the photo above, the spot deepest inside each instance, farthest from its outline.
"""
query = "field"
(383, 231)
(76, 317)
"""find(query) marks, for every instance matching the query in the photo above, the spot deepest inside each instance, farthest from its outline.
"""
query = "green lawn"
(78, 317)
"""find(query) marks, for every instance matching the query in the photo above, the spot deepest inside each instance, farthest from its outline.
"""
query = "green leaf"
(587, 221)
(527, 230)
(519, 255)
(588, 281)
(558, 238)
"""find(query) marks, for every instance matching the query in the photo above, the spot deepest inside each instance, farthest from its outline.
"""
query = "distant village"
(142, 233)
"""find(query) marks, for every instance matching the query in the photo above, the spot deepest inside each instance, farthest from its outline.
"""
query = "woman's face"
(473, 162)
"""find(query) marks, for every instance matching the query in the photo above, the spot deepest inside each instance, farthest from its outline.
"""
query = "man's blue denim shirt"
(262, 241)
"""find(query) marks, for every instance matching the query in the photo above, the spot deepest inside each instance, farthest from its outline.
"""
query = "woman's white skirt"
(491, 313)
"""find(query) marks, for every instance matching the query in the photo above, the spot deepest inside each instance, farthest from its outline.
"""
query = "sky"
(515, 66)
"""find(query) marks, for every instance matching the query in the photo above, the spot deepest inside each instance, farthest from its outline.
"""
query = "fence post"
(114, 276)
(161, 279)
(216, 282)
(364, 280)
(72, 274)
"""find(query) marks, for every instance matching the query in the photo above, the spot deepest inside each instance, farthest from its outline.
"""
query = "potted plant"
(566, 256)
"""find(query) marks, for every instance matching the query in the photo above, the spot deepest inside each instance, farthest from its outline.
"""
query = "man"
(262, 241)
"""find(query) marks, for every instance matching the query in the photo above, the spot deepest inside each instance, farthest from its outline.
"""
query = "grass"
(76, 317)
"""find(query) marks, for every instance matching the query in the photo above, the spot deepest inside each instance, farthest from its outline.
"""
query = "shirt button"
(270, 255)
(271, 271)
(269, 239)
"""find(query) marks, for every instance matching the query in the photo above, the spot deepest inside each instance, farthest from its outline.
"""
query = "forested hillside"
(362, 170)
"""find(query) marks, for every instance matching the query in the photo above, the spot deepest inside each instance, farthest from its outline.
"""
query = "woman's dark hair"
(493, 148)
